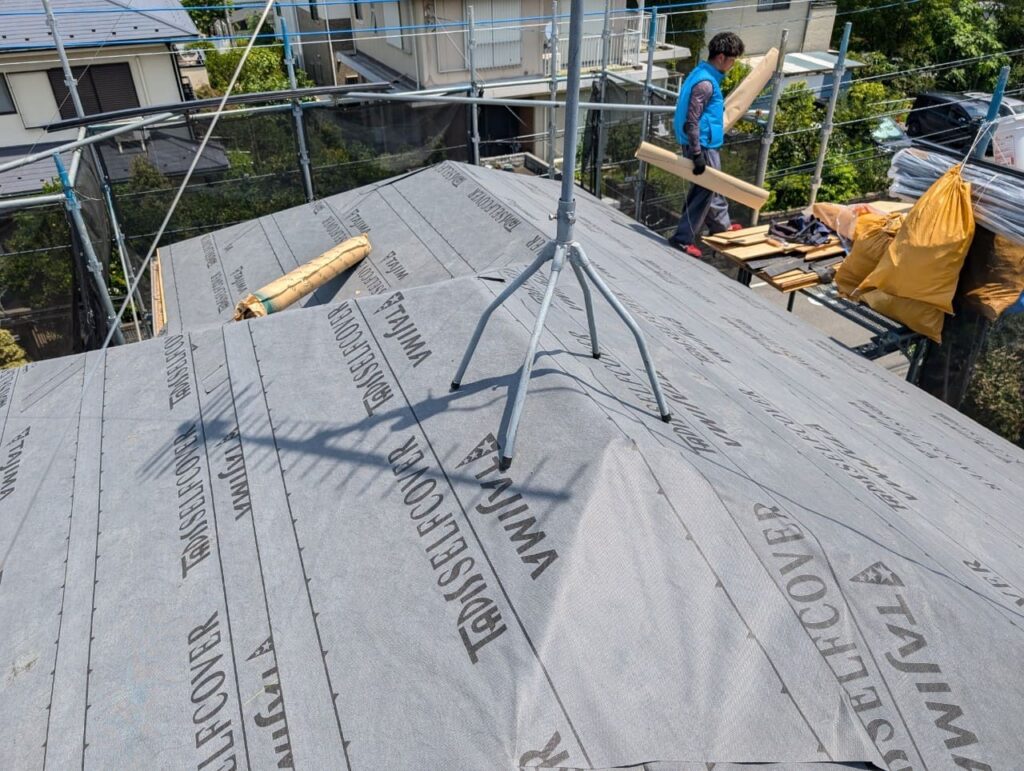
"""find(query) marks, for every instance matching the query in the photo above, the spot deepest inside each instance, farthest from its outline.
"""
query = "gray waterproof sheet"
(284, 543)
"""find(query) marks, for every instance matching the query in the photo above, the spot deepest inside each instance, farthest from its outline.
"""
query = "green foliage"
(734, 77)
(854, 166)
(916, 34)
(1009, 18)
(995, 397)
(11, 354)
(263, 178)
(264, 70)
(42, 276)
(202, 18)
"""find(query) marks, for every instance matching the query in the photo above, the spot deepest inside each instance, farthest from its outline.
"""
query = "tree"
(264, 70)
(11, 354)
(918, 34)
(1009, 19)
(35, 256)
(854, 165)
(202, 16)
(995, 397)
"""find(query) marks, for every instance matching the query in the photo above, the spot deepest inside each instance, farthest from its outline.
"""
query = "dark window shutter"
(114, 87)
(60, 93)
(102, 88)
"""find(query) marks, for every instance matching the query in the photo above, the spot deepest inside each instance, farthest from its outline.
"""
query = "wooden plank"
(743, 253)
(789, 275)
(744, 234)
(821, 252)
(157, 295)
(712, 179)
(794, 284)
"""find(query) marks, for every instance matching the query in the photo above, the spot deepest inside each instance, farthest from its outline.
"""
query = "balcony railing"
(503, 48)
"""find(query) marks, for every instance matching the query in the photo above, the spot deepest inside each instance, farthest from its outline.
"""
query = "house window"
(772, 5)
(6, 102)
(101, 87)
(393, 20)
(498, 40)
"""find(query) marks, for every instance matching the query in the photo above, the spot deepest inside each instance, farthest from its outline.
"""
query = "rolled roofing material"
(996, 196)
(296, 284)
(741, 97)
(286, 537)
(714, 180)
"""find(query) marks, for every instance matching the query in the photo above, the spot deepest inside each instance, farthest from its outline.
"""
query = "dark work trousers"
(702, 207)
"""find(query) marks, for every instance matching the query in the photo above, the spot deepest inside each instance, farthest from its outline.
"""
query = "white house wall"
(439, 57)
(152, 68)
(376, 46)
(810, 26)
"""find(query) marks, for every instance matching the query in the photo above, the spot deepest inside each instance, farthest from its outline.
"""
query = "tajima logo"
(908, 658)
(510, 509)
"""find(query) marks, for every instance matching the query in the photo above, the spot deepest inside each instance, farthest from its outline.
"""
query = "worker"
(700, 129)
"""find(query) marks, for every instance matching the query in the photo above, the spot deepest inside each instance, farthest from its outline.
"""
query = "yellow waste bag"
(924, 260)
(919, 316)
(871, 238)
(993, 277)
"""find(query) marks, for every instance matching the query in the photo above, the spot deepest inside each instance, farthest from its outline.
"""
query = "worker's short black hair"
(727, 43)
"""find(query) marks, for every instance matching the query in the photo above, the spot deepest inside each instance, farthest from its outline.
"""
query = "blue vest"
(712, 131)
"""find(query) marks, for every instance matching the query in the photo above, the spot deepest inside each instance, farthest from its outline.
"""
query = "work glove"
(699, 164)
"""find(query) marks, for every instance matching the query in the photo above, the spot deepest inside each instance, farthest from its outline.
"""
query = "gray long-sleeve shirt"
(700, 96)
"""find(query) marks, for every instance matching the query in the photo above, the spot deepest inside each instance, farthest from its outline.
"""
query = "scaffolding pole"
(993, 114)
(300, 130)
(563, 248)
(165, 116)
(599, 149)
(645, 121)
(826, 126)
(768, 137)
(474, 111)
(92, 263)
(74, 208)
(552, 112)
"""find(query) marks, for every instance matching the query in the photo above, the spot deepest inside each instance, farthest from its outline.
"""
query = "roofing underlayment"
(284, 543)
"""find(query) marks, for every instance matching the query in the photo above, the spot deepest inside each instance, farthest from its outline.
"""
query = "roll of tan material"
(714, 180)
(741, 97)
(296, 284)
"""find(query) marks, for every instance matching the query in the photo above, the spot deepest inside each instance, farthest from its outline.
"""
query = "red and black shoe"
(688, 249)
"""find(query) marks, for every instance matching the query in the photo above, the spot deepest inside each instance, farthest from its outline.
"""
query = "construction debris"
(786, 266)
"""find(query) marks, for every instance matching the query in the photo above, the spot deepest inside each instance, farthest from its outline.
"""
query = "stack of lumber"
(787, 267)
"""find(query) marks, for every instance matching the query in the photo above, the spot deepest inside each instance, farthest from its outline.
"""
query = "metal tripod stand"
(557, 251)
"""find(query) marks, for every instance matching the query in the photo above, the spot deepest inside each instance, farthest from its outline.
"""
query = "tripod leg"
(587, 301)
(544, 256)
(524, 374)
(629, 322)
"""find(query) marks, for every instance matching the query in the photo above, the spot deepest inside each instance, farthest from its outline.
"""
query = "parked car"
(888, 135)
(953, 120)
(188, 57)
